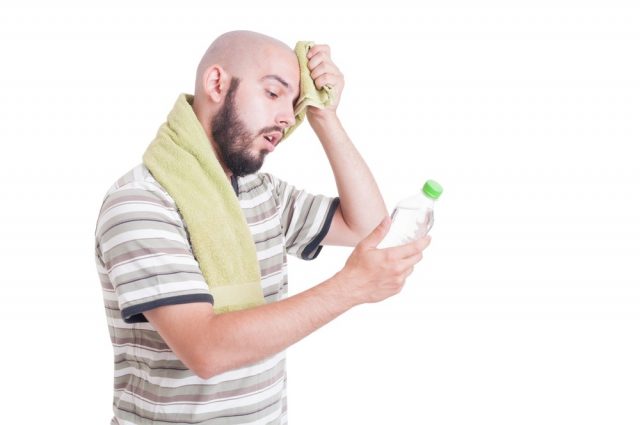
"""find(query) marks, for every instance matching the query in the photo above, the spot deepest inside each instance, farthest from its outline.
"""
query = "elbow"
(206, 369)
(202, 367)
(203, 372)
(205, 358)
(207, 365)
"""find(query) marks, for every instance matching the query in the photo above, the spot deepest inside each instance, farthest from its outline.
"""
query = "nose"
(285, 117)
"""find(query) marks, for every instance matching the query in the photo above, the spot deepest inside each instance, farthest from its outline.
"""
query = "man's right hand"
(371, 275)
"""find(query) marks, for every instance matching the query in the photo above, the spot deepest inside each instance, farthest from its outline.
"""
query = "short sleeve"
(305, 218)
(144, 249)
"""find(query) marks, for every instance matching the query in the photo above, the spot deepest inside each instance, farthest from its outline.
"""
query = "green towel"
(309, 94)
(182, 160)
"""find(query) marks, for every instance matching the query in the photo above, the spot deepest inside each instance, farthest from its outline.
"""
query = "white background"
(526, 308)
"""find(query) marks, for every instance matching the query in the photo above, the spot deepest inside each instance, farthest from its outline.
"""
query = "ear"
(215, 82)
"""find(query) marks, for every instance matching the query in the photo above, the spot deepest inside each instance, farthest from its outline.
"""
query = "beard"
(234, 138)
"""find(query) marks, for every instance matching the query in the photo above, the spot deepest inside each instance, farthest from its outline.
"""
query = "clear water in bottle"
(413, 217)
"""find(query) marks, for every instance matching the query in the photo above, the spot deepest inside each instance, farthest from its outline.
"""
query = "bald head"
(240, 52)
(246, 87)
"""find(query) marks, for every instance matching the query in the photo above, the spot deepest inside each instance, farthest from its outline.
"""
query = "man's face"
(264, 99)
(235, 139)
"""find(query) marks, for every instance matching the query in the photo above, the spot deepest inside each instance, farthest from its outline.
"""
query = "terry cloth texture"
(309, 94)
(182, 160)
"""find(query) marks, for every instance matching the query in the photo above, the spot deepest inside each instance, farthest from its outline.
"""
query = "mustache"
(271, 129)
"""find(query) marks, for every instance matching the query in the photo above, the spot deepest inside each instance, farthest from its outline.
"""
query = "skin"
(209, 343)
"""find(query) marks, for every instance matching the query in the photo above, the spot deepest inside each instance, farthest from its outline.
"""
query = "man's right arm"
(210, 344)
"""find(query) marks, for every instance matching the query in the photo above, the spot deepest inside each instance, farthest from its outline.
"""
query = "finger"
(318, 48)
(325, 80)
(318, 59)
(324, 68)
(424, 242)
(410, 249)
(375, 237)
(320, 69)
(401, 266)
(319, 65)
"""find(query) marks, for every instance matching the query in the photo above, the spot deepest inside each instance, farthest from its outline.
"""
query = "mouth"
(272, 140)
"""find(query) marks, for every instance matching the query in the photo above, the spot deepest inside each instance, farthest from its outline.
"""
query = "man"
(178, 361)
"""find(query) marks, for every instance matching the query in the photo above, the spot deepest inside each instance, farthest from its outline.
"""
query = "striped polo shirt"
(144, 260)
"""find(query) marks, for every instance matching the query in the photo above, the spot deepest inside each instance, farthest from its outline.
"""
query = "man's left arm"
(361, 205)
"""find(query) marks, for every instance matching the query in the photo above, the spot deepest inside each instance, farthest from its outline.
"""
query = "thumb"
(378, 234)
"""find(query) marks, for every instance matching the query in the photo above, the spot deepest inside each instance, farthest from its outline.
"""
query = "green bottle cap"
(432, 189)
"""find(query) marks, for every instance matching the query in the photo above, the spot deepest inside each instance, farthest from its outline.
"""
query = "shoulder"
(136, 195)
(139, 179)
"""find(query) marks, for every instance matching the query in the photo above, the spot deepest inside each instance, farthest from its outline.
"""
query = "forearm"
(360, 199)
(243, 337)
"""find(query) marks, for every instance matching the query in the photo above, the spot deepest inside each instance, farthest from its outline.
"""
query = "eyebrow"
(275, 77)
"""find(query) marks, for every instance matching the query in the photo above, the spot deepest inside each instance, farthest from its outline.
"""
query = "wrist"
(322, 117)
(337, 289)
(328, 129)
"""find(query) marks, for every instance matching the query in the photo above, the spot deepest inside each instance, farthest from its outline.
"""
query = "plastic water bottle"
(412, 218)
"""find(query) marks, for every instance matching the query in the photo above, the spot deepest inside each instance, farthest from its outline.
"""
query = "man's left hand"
(324, 73)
